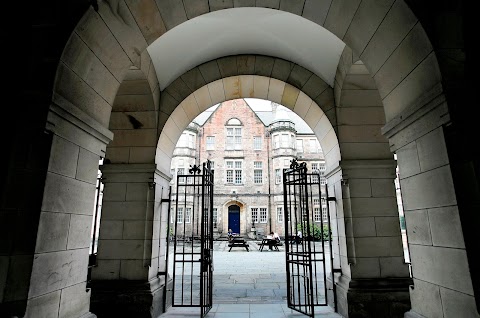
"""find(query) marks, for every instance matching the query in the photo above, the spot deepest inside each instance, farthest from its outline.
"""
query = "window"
(276, 142)
(254, 212)
(257, 143)
(263, 215)
(191, 141)
(234, 138)
(172, 215)
(284, 140)
(214, 216)
(257, 172)
(316, 201)
(180, 215)
(313, 145)
(315, 172)
(188, 213)
(279, 214)
(324, 214)
(278, 176)
(299, 145)
(316, 214)
(234, 171)
(181, 171)
(210, 142)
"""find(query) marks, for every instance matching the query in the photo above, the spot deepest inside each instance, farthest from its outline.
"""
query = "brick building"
(249, 151)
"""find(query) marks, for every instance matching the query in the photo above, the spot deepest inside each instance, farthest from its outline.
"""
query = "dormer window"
(234, 135)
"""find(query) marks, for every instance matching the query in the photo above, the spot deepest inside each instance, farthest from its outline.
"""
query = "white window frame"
(180, 214)
(317, 216)
(276, 141)
(280, 214)
(254, 214)
(188, 215)
(181, 171)
(233, 139)
(278, 176)
(257, 143)
(257, 172)
(210, 143)
(233, 171)
(215, 216)
(263, 215)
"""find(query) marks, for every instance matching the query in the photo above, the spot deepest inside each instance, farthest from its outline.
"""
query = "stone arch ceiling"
(237, 31)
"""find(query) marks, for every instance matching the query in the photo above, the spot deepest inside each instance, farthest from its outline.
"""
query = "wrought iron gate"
(308, 230)
(192, 238)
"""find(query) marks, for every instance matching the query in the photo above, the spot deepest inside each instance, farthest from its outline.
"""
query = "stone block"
(232, 87)
(281, 69)
(114, 191)
(217, 92)
(87, 169)
(57, 270)
(273, 4)
(340, 15)
(264, 65)
(178, 89)
(408, 161)
(432, 151)
(290, 95)
(106, 269)
(378, 246)
(172, 12)
(172, 131)
(316, 10)
(313, 116)
(367, 18)
(44, 306)
(137, 230)
(295, 7)
(457, 304)
(90, 29)
(52, 232)
(360, 97)
(246, 86)
(429, 189)
(210, 71)
(325, 100)
(447, 267)
(383, 188)
(425, 298)
(63, 158)
(393, 267)
(365, 268)
(202, 96)
(243, 3)
(302, 105)
(359, 81)
(369, 151)
(299, 76)
(193, 79)
(227, 66)
(80, 231)
(125, 29)
(392, 30)
(260, 86)
(124, 210)
(246, 64)
(360, 188)
(133, 270)
(148, 18)
(142, 155)
(445, 227)
(361, 115)
(322, 128)
(275, 91)
(75, 301)
(120, 249)
(195, 8)
(387, 226)
(111, 229)
(68, 195)
(364, 227)
(362, 207)
(132, 103)
(220, 4)
(370, 133)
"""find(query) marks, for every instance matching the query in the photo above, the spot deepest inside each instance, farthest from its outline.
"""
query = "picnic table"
(266, 242)
(238, 242)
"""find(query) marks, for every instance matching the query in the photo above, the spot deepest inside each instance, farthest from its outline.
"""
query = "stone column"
(377, 278)
(125, 280)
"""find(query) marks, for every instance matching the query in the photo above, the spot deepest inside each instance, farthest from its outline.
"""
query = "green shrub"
(315, 231)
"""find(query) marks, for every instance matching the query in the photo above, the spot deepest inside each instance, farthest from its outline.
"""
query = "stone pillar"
(377, 279)
(125, 280)
(442, 283)
(46, 273)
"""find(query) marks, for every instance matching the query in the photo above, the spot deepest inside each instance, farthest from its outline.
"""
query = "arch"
(252, 86)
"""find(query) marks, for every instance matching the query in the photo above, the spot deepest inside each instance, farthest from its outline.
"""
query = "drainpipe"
(267, 135)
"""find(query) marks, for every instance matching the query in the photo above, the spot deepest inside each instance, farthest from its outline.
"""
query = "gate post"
(375, 279)
(125, 280)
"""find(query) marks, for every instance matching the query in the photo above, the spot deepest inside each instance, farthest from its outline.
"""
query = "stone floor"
(248, 284)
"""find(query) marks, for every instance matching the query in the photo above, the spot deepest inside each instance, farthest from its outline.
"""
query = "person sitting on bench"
(272, 241)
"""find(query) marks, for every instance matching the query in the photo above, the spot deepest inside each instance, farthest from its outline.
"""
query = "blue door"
(234, 218)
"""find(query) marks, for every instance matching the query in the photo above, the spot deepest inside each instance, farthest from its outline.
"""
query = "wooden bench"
(265, 242)
(238, 242)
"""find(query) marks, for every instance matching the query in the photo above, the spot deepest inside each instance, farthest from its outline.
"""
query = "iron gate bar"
(194, 198)
(304, 260)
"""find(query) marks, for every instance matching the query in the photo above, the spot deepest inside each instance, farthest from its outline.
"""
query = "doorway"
(234, 218)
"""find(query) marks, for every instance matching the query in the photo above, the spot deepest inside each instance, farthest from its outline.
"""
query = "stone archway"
(106, 43)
